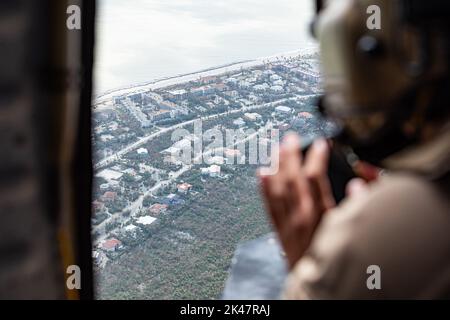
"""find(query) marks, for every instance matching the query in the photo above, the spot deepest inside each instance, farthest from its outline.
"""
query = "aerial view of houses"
(141, 189)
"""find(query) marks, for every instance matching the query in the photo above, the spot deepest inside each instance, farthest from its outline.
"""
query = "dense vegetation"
(188, 253)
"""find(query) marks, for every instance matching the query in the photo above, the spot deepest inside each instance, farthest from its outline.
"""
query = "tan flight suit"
(401, 224)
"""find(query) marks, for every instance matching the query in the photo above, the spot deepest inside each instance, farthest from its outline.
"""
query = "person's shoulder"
(399, 210)
(396, 199)
(400, 224)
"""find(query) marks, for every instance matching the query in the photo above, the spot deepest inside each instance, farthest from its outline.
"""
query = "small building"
(211, 105)
(201, 91)
(173, 200)
(232, 93)
(212, 171)
(208, 79)
(159, 115)
(142, 151)
(246, 102)
(171, 196)
(283, 109)
(118, 99)
(178, 94)
(109, 174)
(221, 87)
(171, 151)
(244, 84)
(98, 257)
(239, 122)
(231, 80)
(95, 256)
(276, 89)
(145, 220)
(257, 73)
(252, 116)
(131, 231)
(184, 187)
(254, 98)
(278, 83)
(261, 87)
(216, 160)
(135, 97)
(130, 228)
(109, 196)
(130, 171)
(111, 245)
(158, 208)
(104, 186)
(275, 77)
(305, 115)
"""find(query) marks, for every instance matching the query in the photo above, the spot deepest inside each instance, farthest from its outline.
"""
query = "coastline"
(183, 78)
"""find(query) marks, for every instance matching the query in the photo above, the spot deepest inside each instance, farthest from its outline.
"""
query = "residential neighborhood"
(138, 180)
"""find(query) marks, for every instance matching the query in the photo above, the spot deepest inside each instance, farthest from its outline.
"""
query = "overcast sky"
(141, 40)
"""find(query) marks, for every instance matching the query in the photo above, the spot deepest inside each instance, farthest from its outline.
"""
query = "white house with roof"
(146, 220)
(276, 89)
(275, 77)
(252, 116)
(142, 151)
(283, 109)
(212, 171)
(261, 87)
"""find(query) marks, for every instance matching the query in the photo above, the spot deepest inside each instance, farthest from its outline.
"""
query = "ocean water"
(141, 40)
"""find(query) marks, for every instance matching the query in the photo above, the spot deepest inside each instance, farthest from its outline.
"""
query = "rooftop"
(111, 243)
(146, 220)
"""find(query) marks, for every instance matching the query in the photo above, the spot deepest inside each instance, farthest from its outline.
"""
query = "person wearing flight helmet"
(388, 89)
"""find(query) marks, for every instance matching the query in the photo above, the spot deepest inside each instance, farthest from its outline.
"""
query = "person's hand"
(298, 194)
(367, 174)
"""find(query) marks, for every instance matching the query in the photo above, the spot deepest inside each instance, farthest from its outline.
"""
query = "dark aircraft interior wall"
(45, 89)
